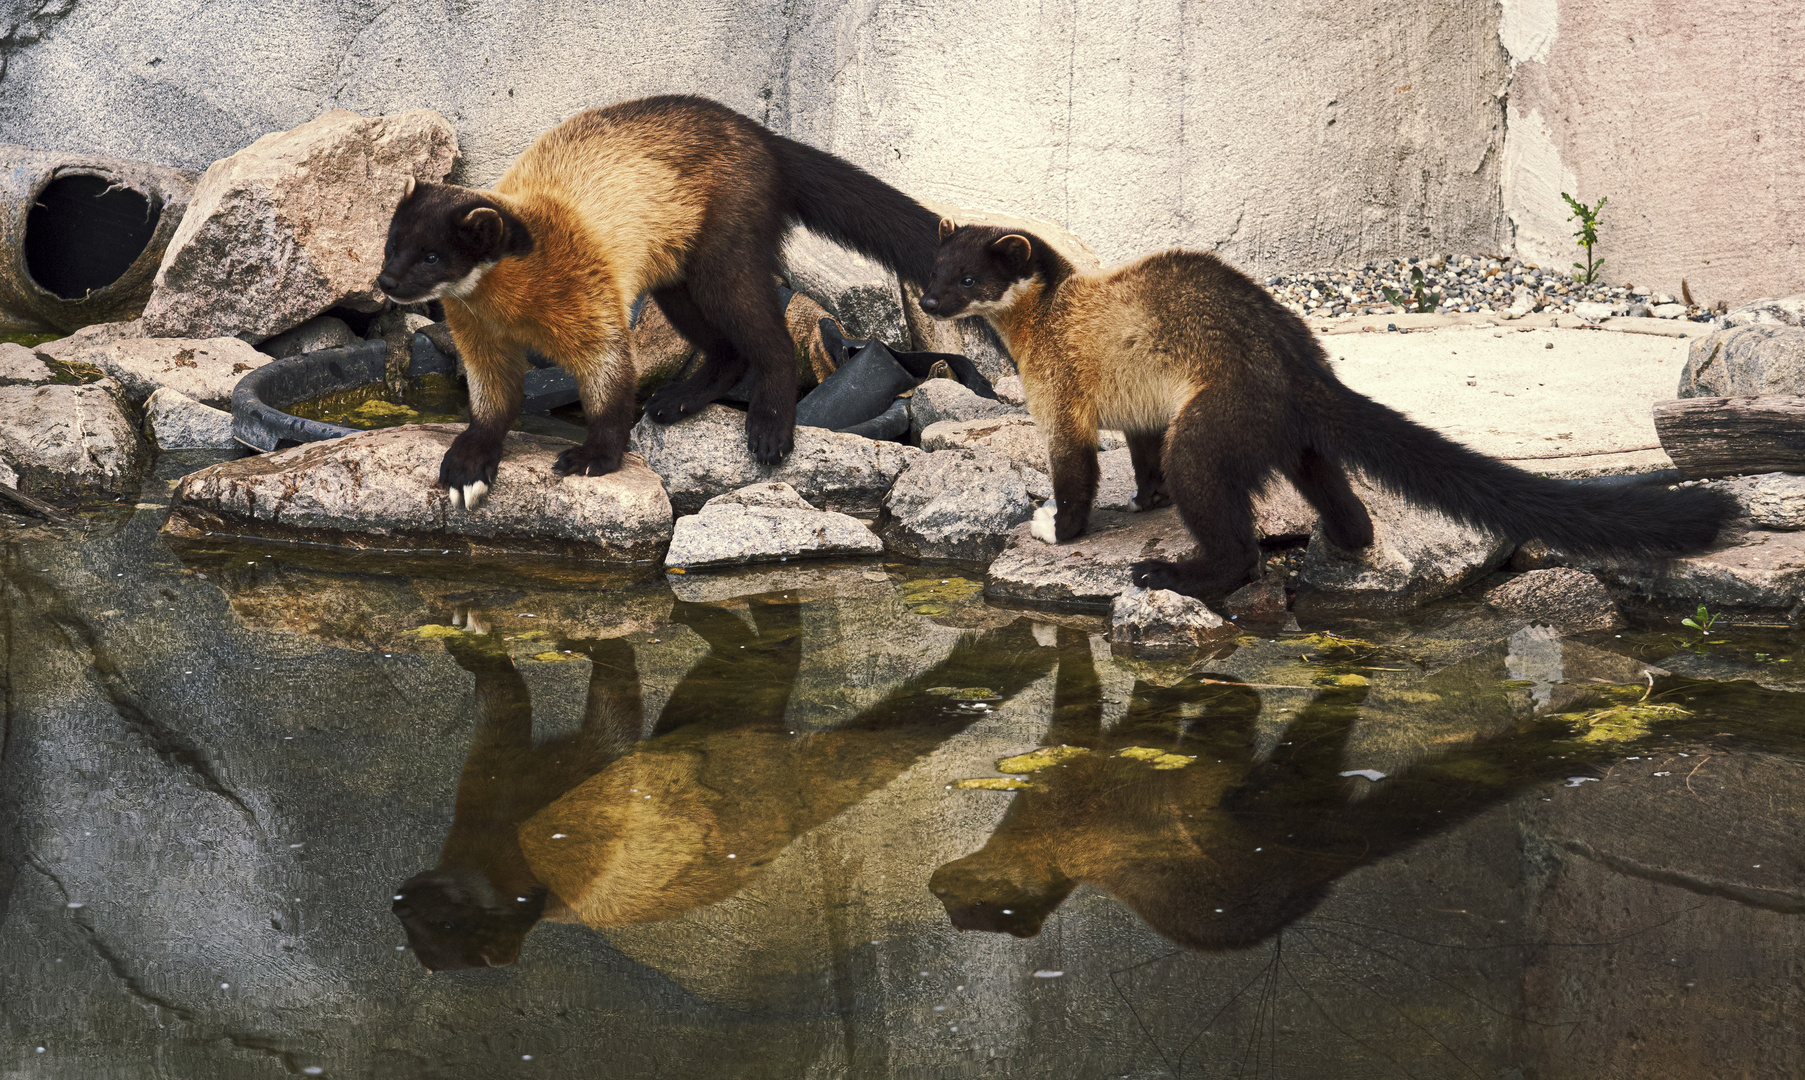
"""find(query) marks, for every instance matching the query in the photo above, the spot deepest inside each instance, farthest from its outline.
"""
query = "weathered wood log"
(1709, 437)
(32, 506)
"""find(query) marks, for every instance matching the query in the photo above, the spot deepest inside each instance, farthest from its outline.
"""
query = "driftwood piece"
(25, 502)
(1709, 437)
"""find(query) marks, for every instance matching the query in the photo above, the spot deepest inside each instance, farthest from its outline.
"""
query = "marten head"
(455, 919)
(980, 270)
(442, 240)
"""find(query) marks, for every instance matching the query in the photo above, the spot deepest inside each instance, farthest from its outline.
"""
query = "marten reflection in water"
(611, 830)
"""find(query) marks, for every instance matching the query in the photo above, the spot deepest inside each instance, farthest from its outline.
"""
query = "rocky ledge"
(378, 490)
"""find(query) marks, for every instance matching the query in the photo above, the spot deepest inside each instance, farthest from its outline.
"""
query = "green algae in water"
(965, 693)
(938, 596)
(994, 783)
(1044, 758)
(430, 399)
(437, 630)
(30, 341)
(1160, 759)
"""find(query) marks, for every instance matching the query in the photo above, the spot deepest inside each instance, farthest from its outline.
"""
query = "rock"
(1668, 311)
(765, 523)
(1115, 481)
(204, 369)
(1784, 311)
(705, 455)
(1769, 500)
(1010, 390)
(1535, 555)
(1262, 599)
(860, 293)
(175, 421)
(19, 365)
(69, 441)
(1015, 437)
(1280, 512)
(1417, 555)
(939, 400)
(293, 224)
(1566, 599)
(1595, 312)
(377, 489)
(1165, 620)
(319, 332)
(955, 504)
(89, 338)
(1091, 571)
(1746, 361)
(1750, 568)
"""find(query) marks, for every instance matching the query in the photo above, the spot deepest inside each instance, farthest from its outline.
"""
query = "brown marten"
(1218, 386)
(678, 196)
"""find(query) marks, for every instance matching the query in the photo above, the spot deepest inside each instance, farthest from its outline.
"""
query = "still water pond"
(852, 821)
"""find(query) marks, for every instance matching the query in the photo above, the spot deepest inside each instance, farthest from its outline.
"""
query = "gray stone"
(1160, 619)
(1417, 555)
(1015, 437)
(69, 441)
(1744, 361)
(175, 421)
(765, 523)
(293, 224)
(1784, 311)
(1596, 312)
(1752, 568)
(1668, 311)
(860, 293)
(319, 332)
(378, 489)
(939, 400)
(705, 455)
(1768, 500)
(20, 365)
(89, 338)
(1279, 512)
(1092, 570)
(1009, 389)
(204, 369)
(1566, 599)
(955, 504)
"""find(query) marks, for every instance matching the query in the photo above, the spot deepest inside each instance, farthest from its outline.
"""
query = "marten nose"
(929, 304)
(385, 282)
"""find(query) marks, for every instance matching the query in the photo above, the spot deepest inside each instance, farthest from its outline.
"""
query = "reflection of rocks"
(1569, 600)
(62, 442)
(378, 489)
(1417, 555)
(293, 224)
(765, 523)
(704, 455)
(175, 421)
(1092, 570)
(955, 504)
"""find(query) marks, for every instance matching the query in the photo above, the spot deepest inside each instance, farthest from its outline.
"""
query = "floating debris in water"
(1575, 781)
(1044, 973)
(1160, 759)
(965, 693)
(1371, 774)
(1035, 760)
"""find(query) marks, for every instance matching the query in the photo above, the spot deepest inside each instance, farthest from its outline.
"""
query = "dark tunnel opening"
(83, 233)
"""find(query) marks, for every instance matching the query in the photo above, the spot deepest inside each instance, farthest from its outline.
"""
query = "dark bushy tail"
(849, 206)
(1581, 519)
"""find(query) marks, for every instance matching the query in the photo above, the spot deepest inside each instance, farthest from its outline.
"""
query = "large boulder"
(68, 442)
(1091, 571)
(1417, 555)
(175, 421)
(765, 523)
(1746, 360)
(89, 338)
(955, 504)
(860, 293)
(202, 369)
(705, 455)
(1769, 311)
(378, 489)
(293, 224)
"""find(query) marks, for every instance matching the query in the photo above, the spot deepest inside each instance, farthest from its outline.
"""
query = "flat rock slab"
(293, 224)
(378, 489)
(939, 401)
(956, 505)
(765, 523)
(1581, 408)
(1417, 555)
(175, 421)
(1568, 600)
(20, 366)
(1768, 500)
(1751, 568)
(200, 369)
(705, 455)
(60, 441)
(1091, 571)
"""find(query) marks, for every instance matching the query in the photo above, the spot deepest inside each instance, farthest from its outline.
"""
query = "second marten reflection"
(612, 830)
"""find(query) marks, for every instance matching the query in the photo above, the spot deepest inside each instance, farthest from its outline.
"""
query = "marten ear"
(1014, 250)
(407, 188)
(488, 231)
(947, 228)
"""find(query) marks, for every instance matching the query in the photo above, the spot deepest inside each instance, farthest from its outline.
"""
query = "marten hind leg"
(722, 365)
(731, 277)
(1211, 476)
(494, 372)
(1322, 482)
(605, 380)
(1146, 449)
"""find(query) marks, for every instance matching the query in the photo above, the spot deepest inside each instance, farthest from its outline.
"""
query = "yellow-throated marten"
(1217, 387)
(678, 196)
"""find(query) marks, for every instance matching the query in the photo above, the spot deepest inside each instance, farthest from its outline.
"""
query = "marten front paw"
(468, 470)
(1042, 528)
(770, 439)
(582, 461)
(1151, 497)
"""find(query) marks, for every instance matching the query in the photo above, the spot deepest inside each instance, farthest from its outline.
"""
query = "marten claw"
(581, 461)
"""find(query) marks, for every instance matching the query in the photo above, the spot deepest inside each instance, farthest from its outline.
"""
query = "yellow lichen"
(1622, 723)
(436, 630)
(1159, 759)
(994, 783)
(1035, 760)
(552, 657)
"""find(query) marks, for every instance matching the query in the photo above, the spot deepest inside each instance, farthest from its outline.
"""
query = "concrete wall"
(1284, 134)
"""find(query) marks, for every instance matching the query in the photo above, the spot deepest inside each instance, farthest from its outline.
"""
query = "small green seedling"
(1700, 620)
(1586, 234)
(1424, 300)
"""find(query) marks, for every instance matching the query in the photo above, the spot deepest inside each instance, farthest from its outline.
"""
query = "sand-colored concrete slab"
(1565, 402)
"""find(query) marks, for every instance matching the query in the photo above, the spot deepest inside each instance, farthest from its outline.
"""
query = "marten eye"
(431, 257)
(967, 282)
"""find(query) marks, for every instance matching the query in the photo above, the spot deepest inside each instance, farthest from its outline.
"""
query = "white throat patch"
(463, 286)
(1011, 296)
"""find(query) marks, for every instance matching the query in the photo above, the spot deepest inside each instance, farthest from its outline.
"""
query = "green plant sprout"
(1586, 234)
(1701, 620)
(1426, 302)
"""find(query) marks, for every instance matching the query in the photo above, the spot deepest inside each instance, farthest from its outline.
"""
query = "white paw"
(1042, 527)
(1134, 505)
(471, 496)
